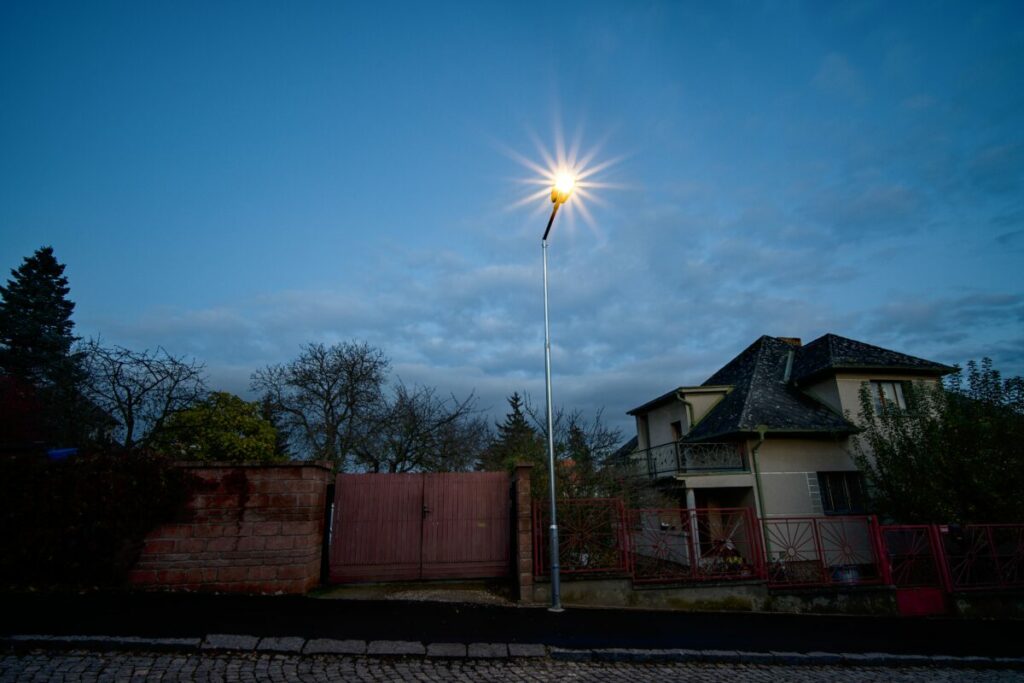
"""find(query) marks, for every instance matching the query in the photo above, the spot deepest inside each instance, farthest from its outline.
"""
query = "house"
(771, 429)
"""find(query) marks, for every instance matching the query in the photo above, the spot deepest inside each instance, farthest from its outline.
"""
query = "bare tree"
(324, 398)
(140, 390)
(416, 430)
(583, 447)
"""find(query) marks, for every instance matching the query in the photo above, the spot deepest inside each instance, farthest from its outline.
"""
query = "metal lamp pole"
(559, 195)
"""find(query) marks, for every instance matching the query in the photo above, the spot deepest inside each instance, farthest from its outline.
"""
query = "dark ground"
(195, 615)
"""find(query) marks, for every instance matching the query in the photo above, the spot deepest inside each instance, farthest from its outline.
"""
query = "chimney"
(792, 341)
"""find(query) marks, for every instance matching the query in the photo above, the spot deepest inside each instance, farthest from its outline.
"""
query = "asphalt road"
(192, 615)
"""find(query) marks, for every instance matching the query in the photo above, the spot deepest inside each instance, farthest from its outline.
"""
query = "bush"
(80, 522)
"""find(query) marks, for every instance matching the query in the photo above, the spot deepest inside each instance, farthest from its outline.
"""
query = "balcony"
(677, 457)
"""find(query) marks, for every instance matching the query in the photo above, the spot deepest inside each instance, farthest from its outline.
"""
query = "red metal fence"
(679, 545)
(822, 551)
(684, 545)
(984, 555)
(599, 536)
(913, 556)
(591, 536)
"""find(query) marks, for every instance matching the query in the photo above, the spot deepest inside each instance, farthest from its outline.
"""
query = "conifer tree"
(516, 440)
(35, 323)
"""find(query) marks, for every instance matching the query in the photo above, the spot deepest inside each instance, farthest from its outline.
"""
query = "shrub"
(80, 522)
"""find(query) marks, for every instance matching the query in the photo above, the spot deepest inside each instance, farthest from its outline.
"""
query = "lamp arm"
(550, 221)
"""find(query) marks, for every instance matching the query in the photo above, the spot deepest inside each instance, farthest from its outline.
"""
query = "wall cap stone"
(223, 464)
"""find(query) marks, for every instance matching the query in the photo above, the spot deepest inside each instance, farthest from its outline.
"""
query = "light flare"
(567, 175)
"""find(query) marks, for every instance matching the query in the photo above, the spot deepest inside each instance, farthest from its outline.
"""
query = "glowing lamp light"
(565, 183)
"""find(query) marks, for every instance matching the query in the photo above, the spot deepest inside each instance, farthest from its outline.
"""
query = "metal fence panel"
(984, 555)
(821, 551)
(590, 537)
(912, 556)
(692, 545)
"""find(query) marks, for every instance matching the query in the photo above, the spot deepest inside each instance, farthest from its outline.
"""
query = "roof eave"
(753, 433)
(937, 371)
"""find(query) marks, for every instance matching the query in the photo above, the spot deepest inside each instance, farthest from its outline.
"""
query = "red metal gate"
(400, 527)
(914, 565)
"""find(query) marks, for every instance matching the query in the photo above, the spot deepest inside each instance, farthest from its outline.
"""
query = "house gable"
(763, 397)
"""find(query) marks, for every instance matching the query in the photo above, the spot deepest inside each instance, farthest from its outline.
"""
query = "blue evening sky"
(232, 180)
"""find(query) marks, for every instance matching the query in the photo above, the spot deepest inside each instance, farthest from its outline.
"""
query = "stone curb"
(784, 658)
(102, 643)
(397, 648)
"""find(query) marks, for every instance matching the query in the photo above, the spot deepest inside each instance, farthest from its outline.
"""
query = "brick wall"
(249, 529)
(524, 533)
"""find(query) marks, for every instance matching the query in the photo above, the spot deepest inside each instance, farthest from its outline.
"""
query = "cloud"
(946, 325)
(854, 211)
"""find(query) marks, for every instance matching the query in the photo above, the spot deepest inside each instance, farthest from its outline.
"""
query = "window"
(841, 492)
(677, 430)
(888, 395)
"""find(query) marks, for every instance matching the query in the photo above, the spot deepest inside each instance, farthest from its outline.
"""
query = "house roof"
(673, 395)
(832, 352)
(765, 378)
(762, 396)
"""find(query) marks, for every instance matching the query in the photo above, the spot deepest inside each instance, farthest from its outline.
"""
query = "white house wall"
(789, 473)
(703, 402)
(660, 422)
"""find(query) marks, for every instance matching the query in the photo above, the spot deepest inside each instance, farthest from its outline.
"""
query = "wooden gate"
(402, 527)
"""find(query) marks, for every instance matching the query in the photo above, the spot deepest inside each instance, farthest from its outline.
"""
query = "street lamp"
(564, 184)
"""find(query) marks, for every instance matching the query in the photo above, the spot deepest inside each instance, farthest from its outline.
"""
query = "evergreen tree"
(515, 441)
(35, 323)
(36, 349)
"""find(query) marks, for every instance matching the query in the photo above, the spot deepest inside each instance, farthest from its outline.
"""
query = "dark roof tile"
(762, 396)
(832, 352)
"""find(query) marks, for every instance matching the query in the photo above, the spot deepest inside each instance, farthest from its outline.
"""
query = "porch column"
(691, 505)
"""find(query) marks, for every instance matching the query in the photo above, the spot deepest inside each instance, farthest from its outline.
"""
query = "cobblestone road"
(92, 666)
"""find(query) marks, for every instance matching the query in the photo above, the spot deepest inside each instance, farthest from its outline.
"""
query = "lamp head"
(565, 183)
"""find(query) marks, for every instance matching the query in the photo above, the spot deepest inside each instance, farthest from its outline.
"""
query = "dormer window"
(888, 395)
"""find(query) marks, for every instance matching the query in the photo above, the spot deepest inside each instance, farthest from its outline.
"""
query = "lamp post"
(563, 187)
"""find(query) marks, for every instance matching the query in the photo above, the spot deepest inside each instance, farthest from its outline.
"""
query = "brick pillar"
(524, 532)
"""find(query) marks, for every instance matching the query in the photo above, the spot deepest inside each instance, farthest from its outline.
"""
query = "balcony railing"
(677, 457)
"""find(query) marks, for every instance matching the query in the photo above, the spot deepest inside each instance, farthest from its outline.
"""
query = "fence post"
(758, 544)
(623, 537)
(524, 565)
(996, 564)
(881, 552)
(826, 577)
(941, 561)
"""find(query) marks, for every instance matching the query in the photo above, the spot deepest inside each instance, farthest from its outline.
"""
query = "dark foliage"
(581, 448)
(36, 353)
(955, 454)
(80, 522)
(35, 321)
